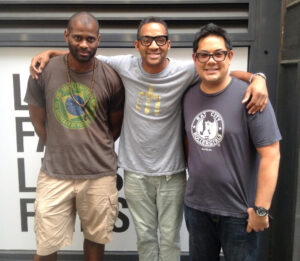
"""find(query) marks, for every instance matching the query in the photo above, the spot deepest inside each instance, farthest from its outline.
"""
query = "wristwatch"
(262, 212)
(258, 74)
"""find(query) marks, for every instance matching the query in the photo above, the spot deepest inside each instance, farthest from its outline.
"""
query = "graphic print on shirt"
(145, 99)
(207, 128)
(68, 113)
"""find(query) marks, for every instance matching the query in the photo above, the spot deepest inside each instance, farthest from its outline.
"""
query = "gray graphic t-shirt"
(151, 137)
(223, 138)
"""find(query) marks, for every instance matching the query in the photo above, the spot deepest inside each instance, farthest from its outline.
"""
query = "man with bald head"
(76, 107)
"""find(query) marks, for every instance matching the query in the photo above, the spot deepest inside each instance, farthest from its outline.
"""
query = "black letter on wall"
(21, 174)
(21, 133)
(24, 213)
(17, 94)
(123, 217)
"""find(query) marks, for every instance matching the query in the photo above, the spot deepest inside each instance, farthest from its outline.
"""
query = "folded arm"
(38, 119)
(115, 123)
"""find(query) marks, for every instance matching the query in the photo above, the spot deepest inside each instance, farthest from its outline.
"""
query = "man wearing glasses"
(232, 161)
(150, 148)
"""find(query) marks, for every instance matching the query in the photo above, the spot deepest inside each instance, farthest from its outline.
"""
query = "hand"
(255, 222)
(38, 63)
(258, 92)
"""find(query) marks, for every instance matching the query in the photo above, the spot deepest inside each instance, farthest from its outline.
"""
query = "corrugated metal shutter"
(41, 22)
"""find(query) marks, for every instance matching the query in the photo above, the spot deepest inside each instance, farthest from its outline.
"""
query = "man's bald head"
(84, 18)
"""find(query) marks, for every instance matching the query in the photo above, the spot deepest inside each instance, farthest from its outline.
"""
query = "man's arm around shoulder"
(39, 61)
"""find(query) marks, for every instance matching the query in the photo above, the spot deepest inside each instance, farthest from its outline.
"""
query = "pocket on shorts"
(113, 211)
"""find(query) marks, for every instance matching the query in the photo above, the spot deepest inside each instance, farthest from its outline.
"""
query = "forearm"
(267, 178)
(53, 53)
(41, 132)
(38, 119)
(116, 131)
(244, 76)
(115, 124)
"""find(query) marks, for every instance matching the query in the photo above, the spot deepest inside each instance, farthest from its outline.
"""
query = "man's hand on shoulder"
(39, 61)
(256, 94)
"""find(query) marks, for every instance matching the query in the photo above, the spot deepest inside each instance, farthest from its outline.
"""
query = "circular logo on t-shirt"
(70, 114)
(208, 128)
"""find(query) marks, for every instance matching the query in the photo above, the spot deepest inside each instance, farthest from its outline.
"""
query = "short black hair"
(211, 29)
(85, 18)
(151, 19)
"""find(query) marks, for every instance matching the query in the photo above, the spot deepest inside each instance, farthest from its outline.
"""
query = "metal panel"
(285, 238)
(290, 47)
(286, 231)
(41, 23)
(264, 52)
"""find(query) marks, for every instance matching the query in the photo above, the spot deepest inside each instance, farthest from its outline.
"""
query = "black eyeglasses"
(160, 40)
(218, 56)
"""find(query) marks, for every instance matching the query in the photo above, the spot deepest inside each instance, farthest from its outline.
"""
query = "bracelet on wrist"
(257, 74)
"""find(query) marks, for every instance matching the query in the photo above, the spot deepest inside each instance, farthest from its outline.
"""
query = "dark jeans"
(209, 233)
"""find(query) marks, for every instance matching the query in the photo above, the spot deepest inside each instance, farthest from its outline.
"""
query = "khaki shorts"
(96, 201)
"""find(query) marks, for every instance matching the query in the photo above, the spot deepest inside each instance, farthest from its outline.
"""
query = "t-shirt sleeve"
(35, 92)
(114, 61)
(195, 75)
(263, 127)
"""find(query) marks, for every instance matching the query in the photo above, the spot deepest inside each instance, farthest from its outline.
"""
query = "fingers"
(33, 72)
(42, 65)
(246, 96)
(257, 103)
(264, 104)
(252, 107)
(249, 229)
(256, 95)
(34, 68)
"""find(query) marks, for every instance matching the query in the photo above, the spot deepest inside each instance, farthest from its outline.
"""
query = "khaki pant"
(56, 204)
